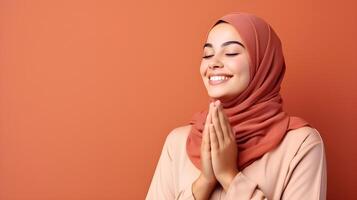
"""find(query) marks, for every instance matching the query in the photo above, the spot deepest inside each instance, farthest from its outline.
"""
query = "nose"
(215, 63)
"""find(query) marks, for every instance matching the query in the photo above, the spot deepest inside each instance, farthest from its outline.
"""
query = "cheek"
(239, 67)
(202, 69)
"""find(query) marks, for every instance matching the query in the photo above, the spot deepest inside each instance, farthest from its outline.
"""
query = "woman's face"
(225, 63)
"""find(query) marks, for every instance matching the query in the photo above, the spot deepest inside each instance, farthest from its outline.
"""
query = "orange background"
(90, 89)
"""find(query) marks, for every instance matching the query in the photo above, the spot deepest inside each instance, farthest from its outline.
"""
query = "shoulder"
(179, 133)
(306, 135)
(175, 142)
(298, 142)
(305, 140)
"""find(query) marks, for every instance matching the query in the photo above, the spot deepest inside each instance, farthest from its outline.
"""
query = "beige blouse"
(295, 170)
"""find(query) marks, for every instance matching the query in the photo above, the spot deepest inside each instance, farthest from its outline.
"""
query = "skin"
(218, 59)
(219, 148)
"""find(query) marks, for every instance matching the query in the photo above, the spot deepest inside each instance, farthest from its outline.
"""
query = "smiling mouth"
(216, 80)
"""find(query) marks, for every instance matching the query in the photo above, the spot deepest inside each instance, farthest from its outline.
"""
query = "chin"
(221, 95)
(218, 95)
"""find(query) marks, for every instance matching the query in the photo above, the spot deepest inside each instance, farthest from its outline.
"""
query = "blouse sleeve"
(306, 177)
(243, 188)
(162, 184)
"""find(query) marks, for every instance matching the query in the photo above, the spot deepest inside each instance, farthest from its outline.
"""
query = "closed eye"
(227, 54)
(207, 56)
(231, 54)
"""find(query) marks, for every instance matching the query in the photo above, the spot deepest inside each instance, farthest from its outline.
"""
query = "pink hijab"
(256, 115)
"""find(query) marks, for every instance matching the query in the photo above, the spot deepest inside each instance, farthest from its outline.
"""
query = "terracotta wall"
(90, 89)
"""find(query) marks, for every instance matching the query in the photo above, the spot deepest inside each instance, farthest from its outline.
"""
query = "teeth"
(218, 78)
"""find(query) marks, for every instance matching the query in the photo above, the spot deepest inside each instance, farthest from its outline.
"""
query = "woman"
(244, 146)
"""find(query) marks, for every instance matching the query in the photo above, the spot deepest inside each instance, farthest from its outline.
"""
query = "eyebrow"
(224, 44)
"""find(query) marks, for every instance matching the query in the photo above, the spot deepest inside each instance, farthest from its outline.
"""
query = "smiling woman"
(225, 64)
(244, 146)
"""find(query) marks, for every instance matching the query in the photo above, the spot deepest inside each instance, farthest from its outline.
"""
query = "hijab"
(256, 115)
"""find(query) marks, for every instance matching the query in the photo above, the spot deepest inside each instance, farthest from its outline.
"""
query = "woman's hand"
(218, 154)
(206, 158)
(203, 186)
(223, 147)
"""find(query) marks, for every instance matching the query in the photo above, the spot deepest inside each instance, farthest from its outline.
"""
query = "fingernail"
(218, 102)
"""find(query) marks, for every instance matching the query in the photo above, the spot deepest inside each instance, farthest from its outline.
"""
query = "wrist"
(202, 188)
(206, 182)
(227, 180)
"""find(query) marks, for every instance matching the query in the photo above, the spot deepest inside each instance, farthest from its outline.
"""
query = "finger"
(228, 125)
(213, 138)
(223, 123)
(208, 115)
(217, 126)
(231, 132)
(206, 137)
(205, 129)
(205, 144)
(206, 140)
